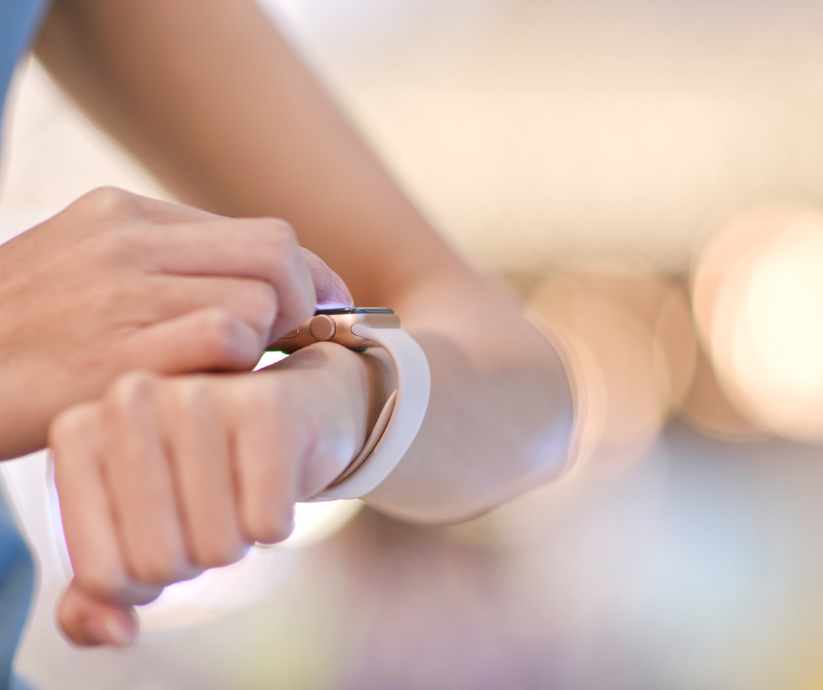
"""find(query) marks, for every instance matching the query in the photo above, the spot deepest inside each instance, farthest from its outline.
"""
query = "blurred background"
(647, 175)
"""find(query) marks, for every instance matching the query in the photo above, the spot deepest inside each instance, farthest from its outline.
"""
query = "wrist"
(356, 386)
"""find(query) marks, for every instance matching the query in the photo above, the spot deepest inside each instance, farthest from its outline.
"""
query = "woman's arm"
(215, 101)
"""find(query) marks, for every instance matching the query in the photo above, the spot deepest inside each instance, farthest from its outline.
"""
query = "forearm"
(214, 100)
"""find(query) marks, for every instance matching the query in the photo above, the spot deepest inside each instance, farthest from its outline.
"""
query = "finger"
(76, 439)
(205, 340)
(140, 484)
(266, 458)
(231, 247)
(252, 301)
(329, 287)
(203, 473)
(262, 249)
(87, 621)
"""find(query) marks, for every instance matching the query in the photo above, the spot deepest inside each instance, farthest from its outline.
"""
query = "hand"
(165, 477)
(119, 282)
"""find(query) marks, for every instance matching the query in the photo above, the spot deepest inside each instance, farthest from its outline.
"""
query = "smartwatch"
(361, 328)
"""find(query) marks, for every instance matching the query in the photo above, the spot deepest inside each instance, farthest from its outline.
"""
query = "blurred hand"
(166, 477)
(118, 282)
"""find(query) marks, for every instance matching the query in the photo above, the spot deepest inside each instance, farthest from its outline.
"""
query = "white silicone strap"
(371, 442)
(407, 408)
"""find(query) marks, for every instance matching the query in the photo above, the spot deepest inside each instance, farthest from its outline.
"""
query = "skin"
(213, 99)
(118, 282)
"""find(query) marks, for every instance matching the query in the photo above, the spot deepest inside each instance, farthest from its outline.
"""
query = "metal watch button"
(322, 327)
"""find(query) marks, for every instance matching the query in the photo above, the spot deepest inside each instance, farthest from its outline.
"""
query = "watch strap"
(371, 442)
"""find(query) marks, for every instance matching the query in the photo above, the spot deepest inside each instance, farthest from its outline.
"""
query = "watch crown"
(322, 327)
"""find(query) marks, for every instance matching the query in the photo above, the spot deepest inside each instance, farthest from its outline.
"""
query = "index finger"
(261, 249)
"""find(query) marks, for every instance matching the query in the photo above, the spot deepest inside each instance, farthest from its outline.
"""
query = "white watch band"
(399, 422)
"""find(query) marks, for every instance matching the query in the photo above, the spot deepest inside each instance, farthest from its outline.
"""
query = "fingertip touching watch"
(361, 328)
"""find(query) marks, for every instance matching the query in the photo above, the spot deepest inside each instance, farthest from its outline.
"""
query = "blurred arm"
(214, 100)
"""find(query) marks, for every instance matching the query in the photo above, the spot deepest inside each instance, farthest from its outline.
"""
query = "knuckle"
(280, 230)
(104, 583)
(106, 201)
(270, 531)
(190, 392)
(277, 238)
(69, 425)
(224, 336)
(217, 554)
(221, 326)
(131, 389)
(158, 570)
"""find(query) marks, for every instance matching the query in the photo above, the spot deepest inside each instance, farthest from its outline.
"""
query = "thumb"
(329, 287)
(87, 621)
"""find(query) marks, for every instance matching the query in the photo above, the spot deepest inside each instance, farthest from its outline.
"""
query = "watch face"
(336, 311)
